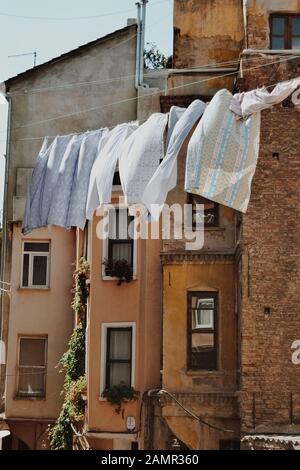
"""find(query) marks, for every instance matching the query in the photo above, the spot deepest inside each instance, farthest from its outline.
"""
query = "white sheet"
(165, 177)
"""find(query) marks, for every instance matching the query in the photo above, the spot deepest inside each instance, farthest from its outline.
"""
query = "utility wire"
(126, 100)
(73, 18)
(192, 414)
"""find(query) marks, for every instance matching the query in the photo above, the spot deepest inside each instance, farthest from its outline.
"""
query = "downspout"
(3, 335)
(142, 47)
(138, 45)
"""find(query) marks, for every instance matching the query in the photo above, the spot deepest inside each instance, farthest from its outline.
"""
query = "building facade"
(48, 100)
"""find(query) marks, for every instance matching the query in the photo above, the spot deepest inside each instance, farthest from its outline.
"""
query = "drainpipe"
(142, 47)
(140, 44)
(3, 332)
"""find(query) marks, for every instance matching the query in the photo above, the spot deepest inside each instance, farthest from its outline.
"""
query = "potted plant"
(117, 395)
(121, 269)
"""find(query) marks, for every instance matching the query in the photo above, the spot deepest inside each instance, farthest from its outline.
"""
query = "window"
(118, 356)
(32, 367)
(35, 269)
(211, 210)
(202, 330)
(285, 31)
(120, 242)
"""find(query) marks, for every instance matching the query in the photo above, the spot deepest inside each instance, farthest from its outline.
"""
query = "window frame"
(107, 246)
(109, 361)
(190, 200)
(103, 371)
(31, 255)
(288, 36)
(214, 351)
(26, 395)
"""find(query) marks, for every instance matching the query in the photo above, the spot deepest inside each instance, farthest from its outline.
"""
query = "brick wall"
(270, 304)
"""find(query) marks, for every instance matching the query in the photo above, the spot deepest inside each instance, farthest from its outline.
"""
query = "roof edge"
(66, 55)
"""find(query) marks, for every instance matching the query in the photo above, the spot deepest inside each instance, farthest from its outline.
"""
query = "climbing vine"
(73, 365)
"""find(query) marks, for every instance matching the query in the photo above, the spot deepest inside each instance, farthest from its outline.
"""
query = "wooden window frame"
(288, 17)
(42, 369)
(109, 361)
(205, 351)
(31, 255)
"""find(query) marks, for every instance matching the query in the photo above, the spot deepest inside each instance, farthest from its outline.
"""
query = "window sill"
(207, 229)
(33, 288)
(110, 278)
(30, 398)
(203, 372)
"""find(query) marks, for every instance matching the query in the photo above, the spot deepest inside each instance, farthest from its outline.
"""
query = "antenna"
(27, 53)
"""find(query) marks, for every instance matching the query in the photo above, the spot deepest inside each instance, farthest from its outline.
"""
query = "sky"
(58, 26)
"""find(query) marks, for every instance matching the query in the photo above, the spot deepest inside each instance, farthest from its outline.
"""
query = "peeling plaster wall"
(207, 32)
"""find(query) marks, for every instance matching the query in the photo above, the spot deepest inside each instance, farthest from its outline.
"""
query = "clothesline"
(125, 77)
(149, 95)
(129, 77)
(74, 175)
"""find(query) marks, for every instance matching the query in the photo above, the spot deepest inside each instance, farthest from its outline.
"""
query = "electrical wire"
(126, 100)
(193, 415)
(73, 18)
(122, 77)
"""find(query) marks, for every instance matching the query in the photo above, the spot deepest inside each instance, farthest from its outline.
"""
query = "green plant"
(120, 269)
(61, 434)
(154, 59)
(119, 394)
(73, 360)
(74, 397)
(73, 364)
(80, 290)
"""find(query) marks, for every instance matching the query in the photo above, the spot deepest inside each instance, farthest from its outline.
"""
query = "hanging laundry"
(59, 204)
(174, 115)
(56, 153)
(247, 103)
(165, 177)
(222, 154)
(59, 184)
(140, 156)
(87, 155)
(101, 178)
(42, 184)
(31, 217)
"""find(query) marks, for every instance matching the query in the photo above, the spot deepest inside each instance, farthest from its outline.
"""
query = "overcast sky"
(50, 33)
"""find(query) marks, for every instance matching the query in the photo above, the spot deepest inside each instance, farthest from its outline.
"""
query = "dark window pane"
(118, 359)
(278, 43)
(32, 352)
(119, 372)
(120, 344)
(39, 275)
(296, 43)
(121, 251)
(296, 26)
(116, 179)
(202, 331)
(39, 247)
(25, 270)
(278, 25)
